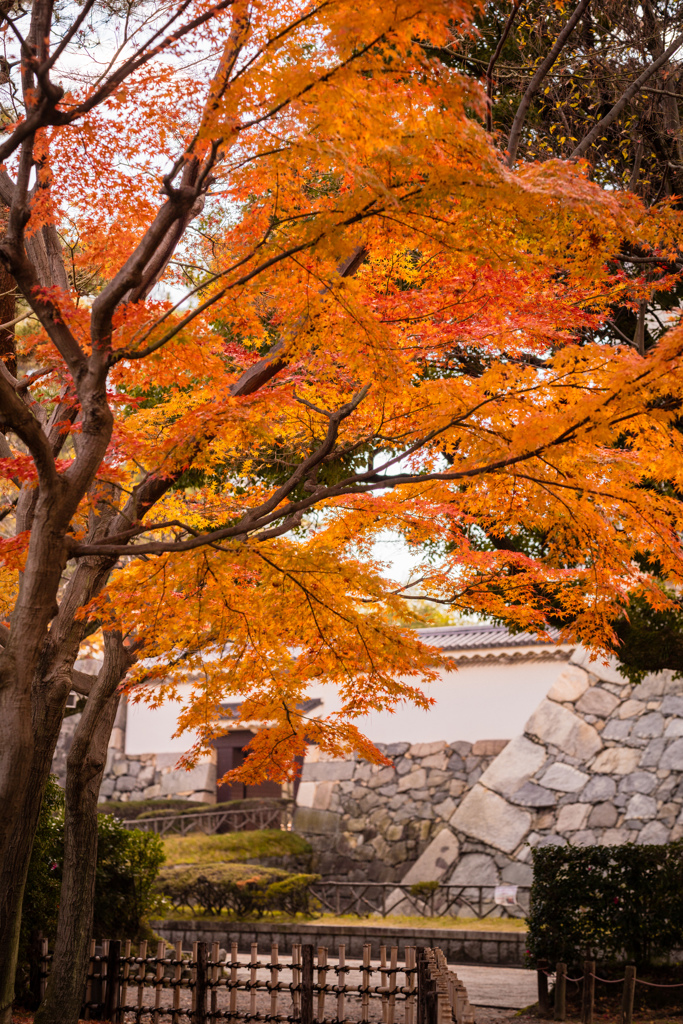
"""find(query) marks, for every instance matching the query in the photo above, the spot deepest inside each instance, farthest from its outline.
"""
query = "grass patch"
(374, 920)
(236, 847)
(488, 924)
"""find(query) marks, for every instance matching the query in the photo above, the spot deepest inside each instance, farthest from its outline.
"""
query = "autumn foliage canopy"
(295, 298)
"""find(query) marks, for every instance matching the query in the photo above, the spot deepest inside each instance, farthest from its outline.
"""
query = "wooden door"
(230, 753)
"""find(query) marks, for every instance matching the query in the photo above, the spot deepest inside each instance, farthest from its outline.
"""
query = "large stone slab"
(201, 777)
(552, 723)
(514, 766)
(436, 860)
(322, 771)
(316, 822)
(486, 816)
(569, 685)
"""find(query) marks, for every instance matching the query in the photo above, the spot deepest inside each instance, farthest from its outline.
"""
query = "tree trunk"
(7, 314)
(31, 773)
(85, 768)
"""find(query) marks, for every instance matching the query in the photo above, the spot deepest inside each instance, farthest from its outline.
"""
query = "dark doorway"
(230, 753)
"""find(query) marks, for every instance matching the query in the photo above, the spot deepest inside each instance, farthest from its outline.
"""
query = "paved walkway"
(507, 987)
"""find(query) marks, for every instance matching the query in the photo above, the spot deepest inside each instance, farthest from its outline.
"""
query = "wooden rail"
(210, 822)
(204, 986)
(384, 898)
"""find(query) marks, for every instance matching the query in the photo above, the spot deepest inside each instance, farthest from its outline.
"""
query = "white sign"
(505, 895)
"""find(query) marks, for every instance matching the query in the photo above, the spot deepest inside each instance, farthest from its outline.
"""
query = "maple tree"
(284, 295)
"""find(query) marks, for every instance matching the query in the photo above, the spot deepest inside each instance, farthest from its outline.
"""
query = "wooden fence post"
(200, 984)
(542, 980)
(307, 983)
(421, 986)
(588, 994)
(111, 997)
(628, 994)
(560, 1012)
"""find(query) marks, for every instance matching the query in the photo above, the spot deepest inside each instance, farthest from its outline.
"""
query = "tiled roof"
(463, 638)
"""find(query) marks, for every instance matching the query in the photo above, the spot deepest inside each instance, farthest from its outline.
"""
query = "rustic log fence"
(384, 898)
(206, 986)
(588, 980)
(231, 819)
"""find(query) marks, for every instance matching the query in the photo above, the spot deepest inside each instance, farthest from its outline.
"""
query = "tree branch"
(626, 97)
(533, 86)
(492, 63)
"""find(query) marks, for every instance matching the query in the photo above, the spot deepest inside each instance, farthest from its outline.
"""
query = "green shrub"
(293, 895)
(128, 862)
(615, 903)
(423, 890)
(130, 810)
(243, 892)
(213, 888)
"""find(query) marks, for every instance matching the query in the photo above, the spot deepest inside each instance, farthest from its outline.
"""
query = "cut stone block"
(672, 706)
(632, 708)
(552, 723)
(603, 816)
(436, 860)
(531, 795)
(201, 777)
(569, 685)
(309, 819)
(673, 756)
(641, 806)
(488, 748)
(572, 817)
(608, 671)
(614, 837)
(514, 766)
(649, 727)
(413, 780)
(600, 787)
(327, 770)
(488, 817)
(616, 761)
(654, 832)
(564, 778)
(638, 782)
(597, 701)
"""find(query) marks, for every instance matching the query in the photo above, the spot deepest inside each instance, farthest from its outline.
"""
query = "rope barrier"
(609, 981)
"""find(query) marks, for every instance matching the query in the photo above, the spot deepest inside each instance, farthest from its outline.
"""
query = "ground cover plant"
(283, 291)
(234, 847)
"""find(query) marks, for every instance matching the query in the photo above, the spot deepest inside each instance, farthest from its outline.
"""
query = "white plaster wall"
(150, 730)
(478, 702)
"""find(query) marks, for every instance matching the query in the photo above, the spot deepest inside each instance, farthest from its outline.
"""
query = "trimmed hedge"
(613, 903)
(214, 888)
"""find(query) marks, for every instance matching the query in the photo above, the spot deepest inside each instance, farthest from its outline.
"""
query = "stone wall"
(600, 761)
(139, 776)
(460, 946)
(370, 823)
